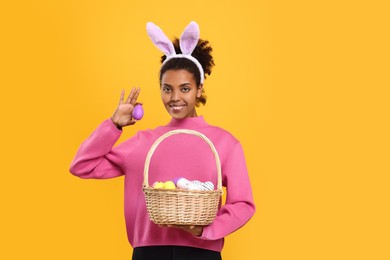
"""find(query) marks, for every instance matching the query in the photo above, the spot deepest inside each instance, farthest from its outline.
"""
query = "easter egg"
(175, 180)
(194, 186)
(169, 185)
(208, 185)
(158, 185)
(138, 112)
(183, 183)
(197, 183)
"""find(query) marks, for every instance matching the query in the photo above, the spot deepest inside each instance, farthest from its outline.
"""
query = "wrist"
(116, 124)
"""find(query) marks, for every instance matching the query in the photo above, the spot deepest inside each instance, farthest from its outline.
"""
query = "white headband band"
(191, 58)
(188, 41)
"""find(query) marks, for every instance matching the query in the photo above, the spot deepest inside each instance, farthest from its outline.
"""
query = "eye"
(185, 89)
(166, 89)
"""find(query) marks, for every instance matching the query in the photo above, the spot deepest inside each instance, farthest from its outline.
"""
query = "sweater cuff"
(113, 125)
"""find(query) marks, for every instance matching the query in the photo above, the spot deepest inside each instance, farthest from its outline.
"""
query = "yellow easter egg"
(158, 185)
(169, 185)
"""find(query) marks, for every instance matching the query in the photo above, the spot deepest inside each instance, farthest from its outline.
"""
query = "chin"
(176, 116)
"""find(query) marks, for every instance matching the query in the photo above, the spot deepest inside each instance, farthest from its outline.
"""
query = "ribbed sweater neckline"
(189, 122)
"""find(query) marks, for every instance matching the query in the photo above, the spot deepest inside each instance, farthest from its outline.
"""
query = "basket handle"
(182, 131)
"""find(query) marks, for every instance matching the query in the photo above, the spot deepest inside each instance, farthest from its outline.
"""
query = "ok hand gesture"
(122, 115)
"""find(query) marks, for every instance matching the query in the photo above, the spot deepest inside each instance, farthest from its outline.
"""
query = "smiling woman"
(182, 75)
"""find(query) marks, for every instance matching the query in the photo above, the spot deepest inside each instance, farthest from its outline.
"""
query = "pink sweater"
(177, 156)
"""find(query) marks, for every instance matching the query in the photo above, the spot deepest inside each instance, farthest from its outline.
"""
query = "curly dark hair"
(202, 53)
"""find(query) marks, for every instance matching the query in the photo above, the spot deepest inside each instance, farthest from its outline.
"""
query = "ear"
(199, 91)
(189, 38)
(160, 39)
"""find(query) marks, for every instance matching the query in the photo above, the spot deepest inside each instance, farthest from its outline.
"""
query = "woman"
(185, 63)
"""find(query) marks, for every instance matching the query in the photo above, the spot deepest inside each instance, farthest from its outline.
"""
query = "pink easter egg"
(175, 180)
(138, 112)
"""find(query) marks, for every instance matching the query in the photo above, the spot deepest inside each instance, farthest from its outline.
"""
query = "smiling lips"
(176, 108)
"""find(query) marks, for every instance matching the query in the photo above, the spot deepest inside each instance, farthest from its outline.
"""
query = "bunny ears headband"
(188, 41)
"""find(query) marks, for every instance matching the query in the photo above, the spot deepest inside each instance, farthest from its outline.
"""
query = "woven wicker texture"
(181, 207)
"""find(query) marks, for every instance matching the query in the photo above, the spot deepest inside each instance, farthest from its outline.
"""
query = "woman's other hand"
(195, 230)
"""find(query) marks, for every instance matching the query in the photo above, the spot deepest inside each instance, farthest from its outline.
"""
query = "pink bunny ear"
(189, 38)
(160, 39)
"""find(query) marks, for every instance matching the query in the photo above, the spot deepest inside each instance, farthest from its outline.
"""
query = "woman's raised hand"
(122, 115)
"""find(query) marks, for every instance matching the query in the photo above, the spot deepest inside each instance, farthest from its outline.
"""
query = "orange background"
(302, 84)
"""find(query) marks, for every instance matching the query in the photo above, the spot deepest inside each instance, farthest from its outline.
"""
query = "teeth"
(176, 109)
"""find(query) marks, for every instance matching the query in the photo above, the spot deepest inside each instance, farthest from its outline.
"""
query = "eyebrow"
(181, 85)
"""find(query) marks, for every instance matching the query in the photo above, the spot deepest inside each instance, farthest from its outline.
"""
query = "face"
(179, 93)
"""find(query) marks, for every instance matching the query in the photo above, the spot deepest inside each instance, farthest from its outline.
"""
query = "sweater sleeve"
(96, 158)
(239, 206)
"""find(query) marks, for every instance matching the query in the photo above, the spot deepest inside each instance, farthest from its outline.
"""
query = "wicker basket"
(177, 206)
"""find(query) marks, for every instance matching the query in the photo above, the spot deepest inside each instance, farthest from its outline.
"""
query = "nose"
(175, 96)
